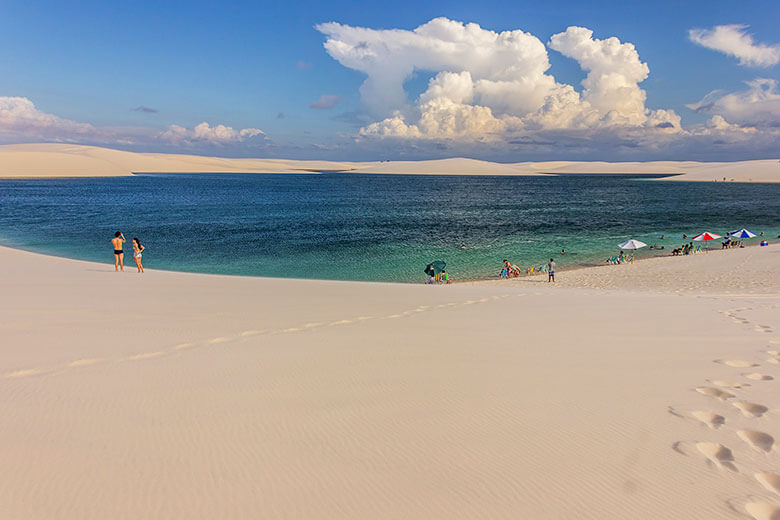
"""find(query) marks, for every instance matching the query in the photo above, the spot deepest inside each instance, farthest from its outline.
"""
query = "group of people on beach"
(119, 254)
(510, 270)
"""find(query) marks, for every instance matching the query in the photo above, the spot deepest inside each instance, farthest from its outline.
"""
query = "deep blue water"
(370, 227)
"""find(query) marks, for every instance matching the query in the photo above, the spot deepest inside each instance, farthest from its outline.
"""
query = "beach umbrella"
(742, 233)
(632, 244)
(435, 267)
(705, 236)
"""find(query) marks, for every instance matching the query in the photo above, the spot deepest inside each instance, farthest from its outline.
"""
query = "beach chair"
(698, 249)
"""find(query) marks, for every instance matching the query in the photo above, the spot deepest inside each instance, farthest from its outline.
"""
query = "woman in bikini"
(137, 250)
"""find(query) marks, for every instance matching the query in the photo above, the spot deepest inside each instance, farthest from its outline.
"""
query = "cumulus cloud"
(758, 105)
(489, 85)
(204, 133)
(22, 121)
(733, 40)
(20, 117)
(326, 102)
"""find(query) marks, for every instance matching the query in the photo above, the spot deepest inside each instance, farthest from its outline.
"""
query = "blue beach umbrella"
(742, 233)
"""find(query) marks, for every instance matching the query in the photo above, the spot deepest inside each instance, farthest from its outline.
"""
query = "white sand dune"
(169, 395)
(65, 160)
(455, 166)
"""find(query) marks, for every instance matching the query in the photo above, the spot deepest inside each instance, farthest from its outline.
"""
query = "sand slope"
(65, 160)
(170, 395)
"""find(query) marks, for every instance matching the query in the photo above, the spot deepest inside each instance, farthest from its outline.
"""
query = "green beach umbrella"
(435, 267)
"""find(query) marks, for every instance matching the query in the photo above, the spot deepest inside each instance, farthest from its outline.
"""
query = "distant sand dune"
(70, 160)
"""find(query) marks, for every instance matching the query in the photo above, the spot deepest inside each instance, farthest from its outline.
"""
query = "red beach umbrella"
(705, 236)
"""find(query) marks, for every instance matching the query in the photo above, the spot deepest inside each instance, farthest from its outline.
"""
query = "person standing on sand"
(137, 250)
(551, 271)
(119, 254)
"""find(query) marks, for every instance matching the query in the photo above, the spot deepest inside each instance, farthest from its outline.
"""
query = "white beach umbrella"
(742, 233)
(632, 244)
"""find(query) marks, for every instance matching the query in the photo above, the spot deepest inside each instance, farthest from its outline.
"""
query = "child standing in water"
(137, 250)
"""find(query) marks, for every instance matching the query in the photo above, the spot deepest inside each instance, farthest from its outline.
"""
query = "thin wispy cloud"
(146, 110)
(734, 40)
(756, 106)
(326, 102)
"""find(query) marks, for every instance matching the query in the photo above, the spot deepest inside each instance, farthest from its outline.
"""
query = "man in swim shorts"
(551, 271)
(119, 254)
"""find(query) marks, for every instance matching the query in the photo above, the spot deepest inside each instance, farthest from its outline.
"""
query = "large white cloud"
(490, 85)
(203, 132)
(758, 105)
(735, 41)
(19, 117)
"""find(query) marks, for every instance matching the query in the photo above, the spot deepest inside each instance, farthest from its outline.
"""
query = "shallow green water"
(371, 227)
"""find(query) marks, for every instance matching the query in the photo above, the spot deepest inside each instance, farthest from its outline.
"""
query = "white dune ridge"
(71, 160)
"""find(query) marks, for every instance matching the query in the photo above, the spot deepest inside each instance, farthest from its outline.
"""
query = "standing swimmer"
(119, 254)
(137, 250)
(551, 271)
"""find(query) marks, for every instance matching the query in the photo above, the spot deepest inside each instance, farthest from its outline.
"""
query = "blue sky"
(262, 65)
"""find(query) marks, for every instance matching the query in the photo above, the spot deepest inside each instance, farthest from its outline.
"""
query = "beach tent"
(742, 233)
(706, 236)
(632, 244)
(435, 267)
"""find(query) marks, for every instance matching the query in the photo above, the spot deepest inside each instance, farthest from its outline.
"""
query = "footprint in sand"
(771, 481)
(757, 440)
(736, 363)
(84, 362)
(712, 420)
(715, 392)
(758, 377)
(144, 355)
(729, 384)
(763, 511)
(750, 409)
(339, 322)
(25, 373)
(717, 454)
